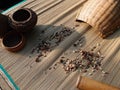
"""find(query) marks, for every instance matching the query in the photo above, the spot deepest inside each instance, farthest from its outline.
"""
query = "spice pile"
(59, 36)
(44, 47)
(85, 61)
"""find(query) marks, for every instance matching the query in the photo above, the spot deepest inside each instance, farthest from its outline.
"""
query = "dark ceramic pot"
(23, 20)
(3, 25)
(13, 41)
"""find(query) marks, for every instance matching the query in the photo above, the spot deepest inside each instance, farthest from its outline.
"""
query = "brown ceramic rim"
(21, 23)
(17, 47)
(28, 10)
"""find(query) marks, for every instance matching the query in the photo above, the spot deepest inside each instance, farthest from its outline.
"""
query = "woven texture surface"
(31, 75)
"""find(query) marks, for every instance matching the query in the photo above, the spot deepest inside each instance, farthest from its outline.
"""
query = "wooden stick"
(89, 84)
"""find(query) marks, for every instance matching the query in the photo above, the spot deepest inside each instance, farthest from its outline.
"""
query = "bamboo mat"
(31, 75)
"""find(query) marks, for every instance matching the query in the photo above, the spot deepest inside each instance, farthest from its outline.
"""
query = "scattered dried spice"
(96, 46)
(33, 50)
(60, 35)
(93, 48)
(50, 68)
(44, 47)
(54, 66)
(78, 43)
(85, 61)
(37, 60)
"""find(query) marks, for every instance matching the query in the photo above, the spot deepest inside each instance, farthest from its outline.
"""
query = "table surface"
(46, 75)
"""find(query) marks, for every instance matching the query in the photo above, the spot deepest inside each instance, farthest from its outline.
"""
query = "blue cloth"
(4, 72)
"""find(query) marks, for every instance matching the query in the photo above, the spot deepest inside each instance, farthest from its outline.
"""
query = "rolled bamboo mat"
(103, 15)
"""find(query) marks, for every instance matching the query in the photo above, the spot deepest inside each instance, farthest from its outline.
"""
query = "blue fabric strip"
(9, 77)
(14, 6)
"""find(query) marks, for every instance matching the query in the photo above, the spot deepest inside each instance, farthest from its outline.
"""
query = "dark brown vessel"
(23, 20)
(3, 25)
(13, 41)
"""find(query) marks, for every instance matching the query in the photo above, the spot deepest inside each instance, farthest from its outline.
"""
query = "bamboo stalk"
(88, 84)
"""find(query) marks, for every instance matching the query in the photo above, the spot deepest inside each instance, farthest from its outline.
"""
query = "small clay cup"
(13, 41)
(3, 25)
(23, 20)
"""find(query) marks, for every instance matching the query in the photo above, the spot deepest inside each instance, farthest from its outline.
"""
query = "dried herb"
(84, 61)
(44, 47)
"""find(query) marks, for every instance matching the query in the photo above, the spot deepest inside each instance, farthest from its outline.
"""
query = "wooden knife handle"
(89, 84)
